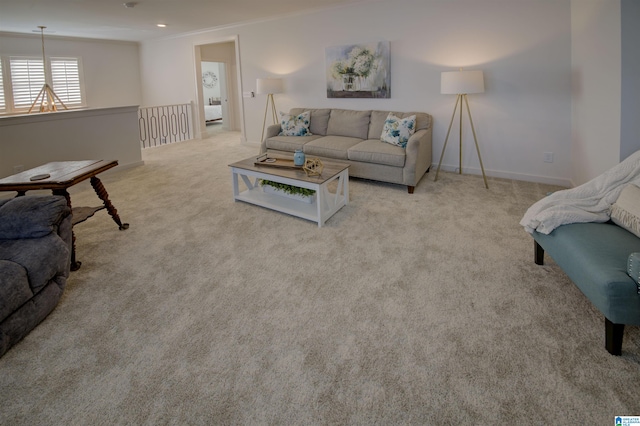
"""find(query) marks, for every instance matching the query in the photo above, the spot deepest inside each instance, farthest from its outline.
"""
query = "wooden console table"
(58, 177)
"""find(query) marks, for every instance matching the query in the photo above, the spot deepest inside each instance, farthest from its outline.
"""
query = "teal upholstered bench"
(594, 256)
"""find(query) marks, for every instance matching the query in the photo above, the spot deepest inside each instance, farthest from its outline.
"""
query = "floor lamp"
(461, 83)
(269, 87)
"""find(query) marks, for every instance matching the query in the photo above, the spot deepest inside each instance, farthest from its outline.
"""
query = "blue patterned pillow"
(397, 131)
(295, 125)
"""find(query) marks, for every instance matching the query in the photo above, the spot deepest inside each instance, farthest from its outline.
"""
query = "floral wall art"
(358, 71)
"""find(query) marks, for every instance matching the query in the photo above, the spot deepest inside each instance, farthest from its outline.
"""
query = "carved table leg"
(75, 264)
(104, 196)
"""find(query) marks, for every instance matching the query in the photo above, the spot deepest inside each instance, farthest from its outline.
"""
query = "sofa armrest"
(633, 268)
(32, 216)
(272, 130)
(418, 160)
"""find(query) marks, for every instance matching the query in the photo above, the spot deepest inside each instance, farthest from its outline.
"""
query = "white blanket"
(589, 202)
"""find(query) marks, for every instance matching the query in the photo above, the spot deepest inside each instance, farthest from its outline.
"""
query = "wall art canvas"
(359, 71)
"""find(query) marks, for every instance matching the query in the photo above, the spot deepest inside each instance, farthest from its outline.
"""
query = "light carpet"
(402, 309)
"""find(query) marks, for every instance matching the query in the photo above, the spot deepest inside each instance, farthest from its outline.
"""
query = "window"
(27, 77)
(65, 79)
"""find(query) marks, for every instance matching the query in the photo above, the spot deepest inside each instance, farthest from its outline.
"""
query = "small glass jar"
(298, 158)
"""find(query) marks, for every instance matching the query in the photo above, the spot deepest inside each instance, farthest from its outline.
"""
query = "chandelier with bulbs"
(47, 97)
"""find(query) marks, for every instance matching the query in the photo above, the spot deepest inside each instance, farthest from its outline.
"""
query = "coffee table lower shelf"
(325, 205)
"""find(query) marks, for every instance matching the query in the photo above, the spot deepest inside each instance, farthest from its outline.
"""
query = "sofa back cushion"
(319, 119)
(32, 216)
(423, 121)
(344, 122)
(357, 124)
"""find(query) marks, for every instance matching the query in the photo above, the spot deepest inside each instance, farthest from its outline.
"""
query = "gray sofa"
(35, 255)
(353, 137)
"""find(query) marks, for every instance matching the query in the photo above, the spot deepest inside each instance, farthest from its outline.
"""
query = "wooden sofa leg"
(538, 255)
(410, 189)
(613, 337)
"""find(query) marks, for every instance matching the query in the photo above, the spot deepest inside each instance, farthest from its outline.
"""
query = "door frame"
(236, 109)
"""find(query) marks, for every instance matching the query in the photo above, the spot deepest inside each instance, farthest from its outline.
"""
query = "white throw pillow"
(295, 125)
(625, 212)
(397, 131)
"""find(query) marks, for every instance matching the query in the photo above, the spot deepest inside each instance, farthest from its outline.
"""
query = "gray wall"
(630, 99)
(524, 112)
(111, 69)
(83, 134)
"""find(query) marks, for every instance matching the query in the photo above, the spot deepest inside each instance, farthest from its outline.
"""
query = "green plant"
(289, 189)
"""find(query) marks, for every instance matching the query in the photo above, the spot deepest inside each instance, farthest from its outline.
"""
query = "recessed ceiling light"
(162, 25)
(130, 5)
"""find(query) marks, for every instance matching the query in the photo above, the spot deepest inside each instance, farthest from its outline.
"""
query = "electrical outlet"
(18, 169)
(548, 157)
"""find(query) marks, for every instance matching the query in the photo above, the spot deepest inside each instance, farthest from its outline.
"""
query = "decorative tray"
(282, 163)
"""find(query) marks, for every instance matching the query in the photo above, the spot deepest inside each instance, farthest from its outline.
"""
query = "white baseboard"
(126, 166)
(565, 182)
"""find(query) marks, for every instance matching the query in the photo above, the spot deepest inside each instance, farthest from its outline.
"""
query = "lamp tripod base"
(273, 113)
(459, 100)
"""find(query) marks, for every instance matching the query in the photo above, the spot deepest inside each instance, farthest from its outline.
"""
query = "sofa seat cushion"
(289, 143)
(344, 122)
(14, 288)
(594, 256)
(42, 258)
(377, 152)
(331, 146)
(20, 322)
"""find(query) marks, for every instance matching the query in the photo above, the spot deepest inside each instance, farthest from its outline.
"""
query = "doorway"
(219, 91)
(214, 93)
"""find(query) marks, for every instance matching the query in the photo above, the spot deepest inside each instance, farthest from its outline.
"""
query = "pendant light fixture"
(47, 97)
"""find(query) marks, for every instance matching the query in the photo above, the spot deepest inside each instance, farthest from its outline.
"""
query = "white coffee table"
(325, 205)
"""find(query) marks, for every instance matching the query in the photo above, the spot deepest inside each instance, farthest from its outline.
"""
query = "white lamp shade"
(461, 82)
(266, 86)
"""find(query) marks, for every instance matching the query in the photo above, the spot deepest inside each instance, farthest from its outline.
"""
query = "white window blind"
(27, 79)
(2, 101)
(65, 80)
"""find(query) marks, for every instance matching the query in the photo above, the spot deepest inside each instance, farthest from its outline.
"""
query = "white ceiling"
(110, 19)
